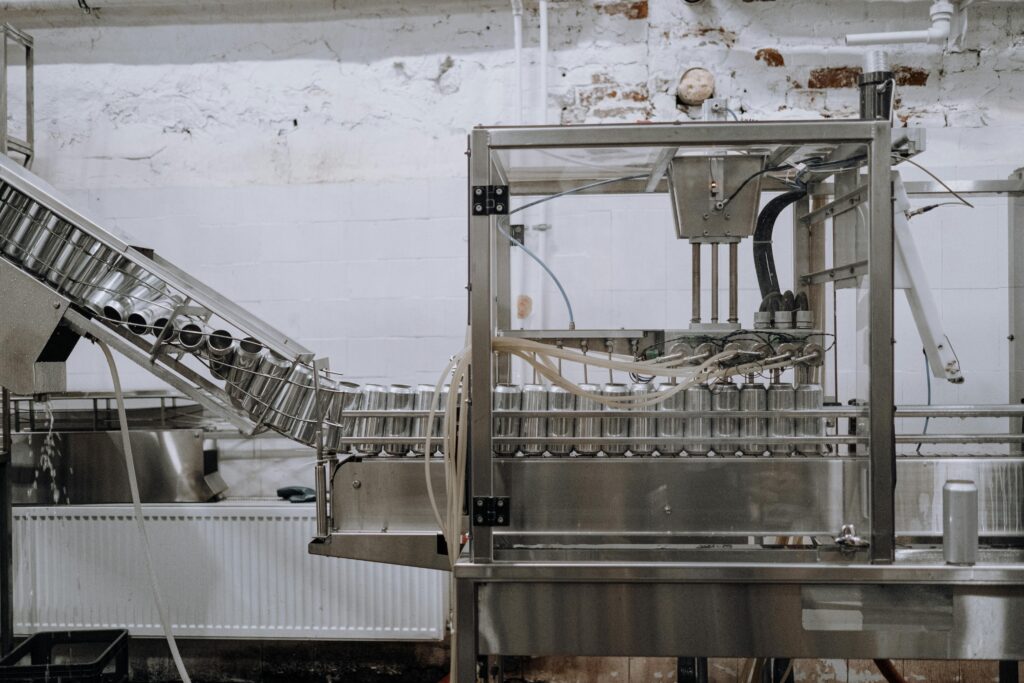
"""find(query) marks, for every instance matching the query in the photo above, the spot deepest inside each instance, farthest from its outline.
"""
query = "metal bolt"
(668, 509)
(706, 216)
(479, 503)
(56, 305)
(501, 520)
(479, 519)
(728, 216)
(498, 191)
(478, 191)
(356, 483)
(499, 207)
(501, 503)
(478, 207)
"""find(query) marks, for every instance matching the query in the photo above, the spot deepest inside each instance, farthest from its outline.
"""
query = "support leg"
(6, 534)
(695, 282)
(464, 641)
(1009, 672)
(714, 282)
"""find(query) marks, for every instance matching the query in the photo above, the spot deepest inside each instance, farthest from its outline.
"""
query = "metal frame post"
(464, 641)
(8, 143)
(1015, 253)
(882, 443)
(481, 307)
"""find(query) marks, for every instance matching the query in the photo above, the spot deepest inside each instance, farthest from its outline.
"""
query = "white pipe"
(540, 305)
(942, 12)
(543, 118)
(517, 28)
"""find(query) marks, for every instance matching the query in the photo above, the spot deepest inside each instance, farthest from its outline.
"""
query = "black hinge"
(490, 200)
(491, 511)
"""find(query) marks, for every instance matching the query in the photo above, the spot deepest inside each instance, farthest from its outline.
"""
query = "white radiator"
(226, 570)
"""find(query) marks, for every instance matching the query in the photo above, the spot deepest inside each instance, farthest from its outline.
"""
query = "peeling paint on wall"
(770, 56)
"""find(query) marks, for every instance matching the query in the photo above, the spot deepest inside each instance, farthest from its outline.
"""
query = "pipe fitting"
(942, 12)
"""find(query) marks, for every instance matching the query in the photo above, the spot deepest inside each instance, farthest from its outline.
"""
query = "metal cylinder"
(714, 282)
(877, 87)
(734, 289)
(192, 336)
(240, 376)
(347, 397)
(642, 427)
(375, 397)
(695, 282)
(588, 427)
(753, 398)
(112, 286)
(698, 398)
(725, 396)
(762, 320)
(220, 349)
(615, 426)
(671, 427)
(782, 320)
(960, 522)
(84, 267)
(48, 244)
(507, 397)
(24, 230)
(809, 397)
(561, 401)
(535, 397)
(11, 213)
(780, 397)
(310, 412)
(400, 397)
(424, 401)
(804, 320)
(293, 394)
(269, 377)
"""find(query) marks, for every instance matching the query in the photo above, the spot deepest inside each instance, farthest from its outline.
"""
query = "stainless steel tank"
(400, 397)
(588, 427)
(671, 427)
(780, 397)
(535, 397)
(375, 397)
(642, 428)
(753, 398)
(698, 398)
(617, 427)
(809, 397)
(507, 397)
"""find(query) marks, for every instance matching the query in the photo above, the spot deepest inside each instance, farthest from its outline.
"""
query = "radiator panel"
(226, 571)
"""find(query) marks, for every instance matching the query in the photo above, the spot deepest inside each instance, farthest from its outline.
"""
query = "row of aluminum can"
(652, 435)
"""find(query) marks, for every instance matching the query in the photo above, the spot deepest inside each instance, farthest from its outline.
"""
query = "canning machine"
(710, 497)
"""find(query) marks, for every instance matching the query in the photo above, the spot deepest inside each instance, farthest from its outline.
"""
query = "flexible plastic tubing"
(133, 484)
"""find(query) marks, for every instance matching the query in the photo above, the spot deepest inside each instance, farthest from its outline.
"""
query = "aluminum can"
(671, 427)
(780, 397)
(507, 397)
(725, 396)
(535, 397)
(698, 398)
(561, 401)
(753, 398)
(269, 377)
(617, 427)
(348, 397)
(960, 522)
(809, 397)
(588, 427)
(375, 397)
(400, 397)
(642, 427)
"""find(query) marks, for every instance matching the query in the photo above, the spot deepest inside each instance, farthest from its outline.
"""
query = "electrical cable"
(928, 379)
(574, 190)
(935, 178)
(133, 484)
(551, 273)
(731, 113)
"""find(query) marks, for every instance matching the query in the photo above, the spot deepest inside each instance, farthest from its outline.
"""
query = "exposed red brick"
(728, 37)
(631, 10)
(834, 77)
(910, 75)
(770, 56)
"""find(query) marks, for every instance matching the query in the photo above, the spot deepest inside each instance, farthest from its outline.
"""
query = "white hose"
(133, 483)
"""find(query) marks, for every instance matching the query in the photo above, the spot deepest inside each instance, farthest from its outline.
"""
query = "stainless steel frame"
(8, 143)
(537, 589)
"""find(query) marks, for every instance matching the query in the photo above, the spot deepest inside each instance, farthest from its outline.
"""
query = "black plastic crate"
(69, 657)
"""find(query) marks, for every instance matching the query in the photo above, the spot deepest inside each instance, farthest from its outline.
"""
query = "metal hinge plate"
(491, 511)
(490, 200)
